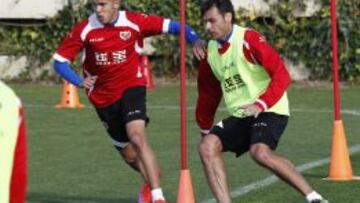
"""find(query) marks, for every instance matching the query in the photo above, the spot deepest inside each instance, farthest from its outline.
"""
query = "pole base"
(340, 165)
(185, 192)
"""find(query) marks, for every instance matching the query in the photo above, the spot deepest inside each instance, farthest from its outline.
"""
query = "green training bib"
(241, 81)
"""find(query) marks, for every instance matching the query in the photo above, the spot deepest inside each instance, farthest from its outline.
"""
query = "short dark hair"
(224, 6)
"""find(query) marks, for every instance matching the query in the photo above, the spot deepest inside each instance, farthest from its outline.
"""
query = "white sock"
(157, 194)
(313, 196)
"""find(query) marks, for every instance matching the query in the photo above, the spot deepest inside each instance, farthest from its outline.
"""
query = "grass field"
(71, 159)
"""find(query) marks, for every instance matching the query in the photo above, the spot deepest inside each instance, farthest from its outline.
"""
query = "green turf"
(71, 159)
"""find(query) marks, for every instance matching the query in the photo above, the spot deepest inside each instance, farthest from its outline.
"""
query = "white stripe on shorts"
(122, 145)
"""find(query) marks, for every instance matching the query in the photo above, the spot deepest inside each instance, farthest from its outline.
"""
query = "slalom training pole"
(340, 165)
(185, 191)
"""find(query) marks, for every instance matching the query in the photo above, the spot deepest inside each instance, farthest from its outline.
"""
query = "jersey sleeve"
(71, 45)
(209, 97)
(149, 25)
(260, 52)
(19, 173)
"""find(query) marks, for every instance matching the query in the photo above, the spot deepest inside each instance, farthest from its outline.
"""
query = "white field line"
(241, 191)
(173, 107)
(266, 181)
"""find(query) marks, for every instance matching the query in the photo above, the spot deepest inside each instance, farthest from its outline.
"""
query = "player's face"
(216, 24)
(106, 10)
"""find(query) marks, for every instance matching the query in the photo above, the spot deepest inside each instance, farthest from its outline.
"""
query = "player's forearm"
(190, 34)
(262, 53)
(65, 71)
(280, 81)
(209, 97)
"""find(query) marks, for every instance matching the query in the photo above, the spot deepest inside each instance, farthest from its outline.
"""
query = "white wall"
(33, 9)
(261, 7)
(256, 6)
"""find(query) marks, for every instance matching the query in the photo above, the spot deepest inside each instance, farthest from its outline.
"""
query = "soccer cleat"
(145, 194)
(160, 201)
(319, 201)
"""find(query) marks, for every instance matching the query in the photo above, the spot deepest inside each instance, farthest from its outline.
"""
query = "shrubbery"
(300, 39)
(308, 39)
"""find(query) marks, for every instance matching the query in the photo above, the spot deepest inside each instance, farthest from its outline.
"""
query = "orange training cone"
(147, 72)
(340, 165)
(70, 97)
(185, 192)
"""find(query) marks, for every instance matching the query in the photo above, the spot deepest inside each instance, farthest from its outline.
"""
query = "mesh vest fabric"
(241, 81)
(9, 127)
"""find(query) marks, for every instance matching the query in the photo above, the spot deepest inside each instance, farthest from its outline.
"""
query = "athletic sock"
(157, 194)
(313, 196)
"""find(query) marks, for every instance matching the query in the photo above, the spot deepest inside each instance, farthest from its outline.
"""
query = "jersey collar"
(115, 21)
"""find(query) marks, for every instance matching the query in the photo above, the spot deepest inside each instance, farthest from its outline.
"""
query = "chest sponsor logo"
(233, 82)
(125, 35)
(119, 56)
(113, 58)
(101, 58)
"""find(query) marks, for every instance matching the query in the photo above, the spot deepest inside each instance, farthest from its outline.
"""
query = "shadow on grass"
(55, 198)
(315, 175)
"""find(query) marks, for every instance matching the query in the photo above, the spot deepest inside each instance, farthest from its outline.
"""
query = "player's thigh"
(134, 113)
(133, 104)
(114, 124)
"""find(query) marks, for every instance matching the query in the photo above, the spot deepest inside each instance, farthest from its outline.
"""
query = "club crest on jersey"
(125, 35)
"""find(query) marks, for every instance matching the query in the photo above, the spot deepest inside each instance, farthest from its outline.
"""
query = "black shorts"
(238, 134)
(115, 117)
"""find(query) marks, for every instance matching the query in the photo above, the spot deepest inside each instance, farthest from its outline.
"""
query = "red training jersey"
(111, 52)
(19, 173)
(256, 51)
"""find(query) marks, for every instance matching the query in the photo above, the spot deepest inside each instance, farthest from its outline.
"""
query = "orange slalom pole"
(185, 192)
(340, 165)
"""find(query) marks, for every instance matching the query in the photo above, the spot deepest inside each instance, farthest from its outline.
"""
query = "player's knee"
(130, 161)
(208, 148)
(261, 155)
(137, 137)
(129, 155)
(202, 149)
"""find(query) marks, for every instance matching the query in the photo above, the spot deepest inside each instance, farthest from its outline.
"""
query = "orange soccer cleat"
(145, 194)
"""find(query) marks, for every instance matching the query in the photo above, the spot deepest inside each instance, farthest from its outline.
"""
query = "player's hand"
(251, 110)
(199, 49)
(89, 82)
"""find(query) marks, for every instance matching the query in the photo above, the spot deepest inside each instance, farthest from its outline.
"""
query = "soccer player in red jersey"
(114, 80)
(242, 68)
(13, 149)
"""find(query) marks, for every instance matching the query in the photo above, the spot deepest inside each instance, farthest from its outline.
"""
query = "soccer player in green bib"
(241, 67)
(13, 148)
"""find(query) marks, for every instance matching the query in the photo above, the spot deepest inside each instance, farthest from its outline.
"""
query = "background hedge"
(300, 39)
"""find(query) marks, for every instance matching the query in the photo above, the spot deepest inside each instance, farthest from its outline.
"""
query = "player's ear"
(117, 4)
(228, 17)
